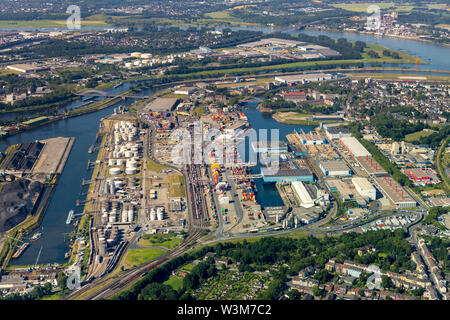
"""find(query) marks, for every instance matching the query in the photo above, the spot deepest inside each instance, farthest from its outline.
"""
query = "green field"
(362, 7)
(404, 58)
(200, 110)
(169, 243)
(176, 186)
(137, 257)
(188, 267)
(155, 167)
(417, 135)
(175, 282)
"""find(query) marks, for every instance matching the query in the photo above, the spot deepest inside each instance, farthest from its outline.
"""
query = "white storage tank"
(130, 215)
(115, 171)
(118, 184)
(153, 214)
(124, 216)
(160, 213)
(132, 163)
(131, 171)
(111, 162)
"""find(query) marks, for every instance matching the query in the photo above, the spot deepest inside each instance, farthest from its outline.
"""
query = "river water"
(84, 128)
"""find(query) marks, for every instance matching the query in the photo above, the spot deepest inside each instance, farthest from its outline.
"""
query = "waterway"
(84, 128)
(267, 194)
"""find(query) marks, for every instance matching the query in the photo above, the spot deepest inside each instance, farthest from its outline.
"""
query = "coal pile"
(16, 202)
(25, 156)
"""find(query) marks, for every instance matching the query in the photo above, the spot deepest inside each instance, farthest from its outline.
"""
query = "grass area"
(198, 111)
(177, 186)
(220, 17)
(157, 240)
(105, 85)
(188, 267)
(175, 282)
(417, 135)
(48, 23)
(136, 257)
(404, 58)
(153, 166)
(362, 7)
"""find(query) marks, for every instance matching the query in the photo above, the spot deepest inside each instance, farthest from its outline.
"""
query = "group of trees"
(37, 293)
(389, 127)
(292, 254)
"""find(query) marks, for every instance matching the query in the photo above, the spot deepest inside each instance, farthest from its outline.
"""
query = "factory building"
(364, 188)
(337, 133)
(395, 192)
(308, 195)
(371, 166)
(311, 138)
(302, 194)
(335, 168)
(346, 190)
(286, 175)
(303, 78)
(354, 147)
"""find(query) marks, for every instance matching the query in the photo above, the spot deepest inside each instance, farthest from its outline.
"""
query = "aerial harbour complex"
(224, 151)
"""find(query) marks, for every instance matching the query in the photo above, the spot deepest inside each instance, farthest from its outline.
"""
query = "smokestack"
(367, 157)
(376, 166)
(395, 188)
(390, 182)
(402, 194)
(371, 162)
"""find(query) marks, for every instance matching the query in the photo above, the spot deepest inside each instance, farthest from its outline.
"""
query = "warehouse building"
(185, 90)
(364, 188)
(287, 175)
(303, 78)
(335, 168)
(354, 147)
(345, 190)
(162, 105)
(311, 138)
(395, 192)
(302, 194)
(371, 166)
(337, 133)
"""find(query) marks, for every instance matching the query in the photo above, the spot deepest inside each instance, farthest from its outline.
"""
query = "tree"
(316, 291)
(386, 282)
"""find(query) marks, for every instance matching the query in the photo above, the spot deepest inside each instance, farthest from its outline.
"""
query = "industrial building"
(395, 192)
(337, 133)
(285, 175)
(346, 190)
(335, 168)
(352, 145)
(371, 166)
(303, 78)
(27, 68)
(302, 194)
(364, 188)
(311, 138)
(185, 90)
(162, 105)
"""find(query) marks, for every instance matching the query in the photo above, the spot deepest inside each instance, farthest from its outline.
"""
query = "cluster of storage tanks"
(107, 237)
(125, 152)
(124, 131)
(157, 214)
(110, 213)
(111, 185)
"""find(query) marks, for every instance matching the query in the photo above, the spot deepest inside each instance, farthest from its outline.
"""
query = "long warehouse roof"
(355, 146)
